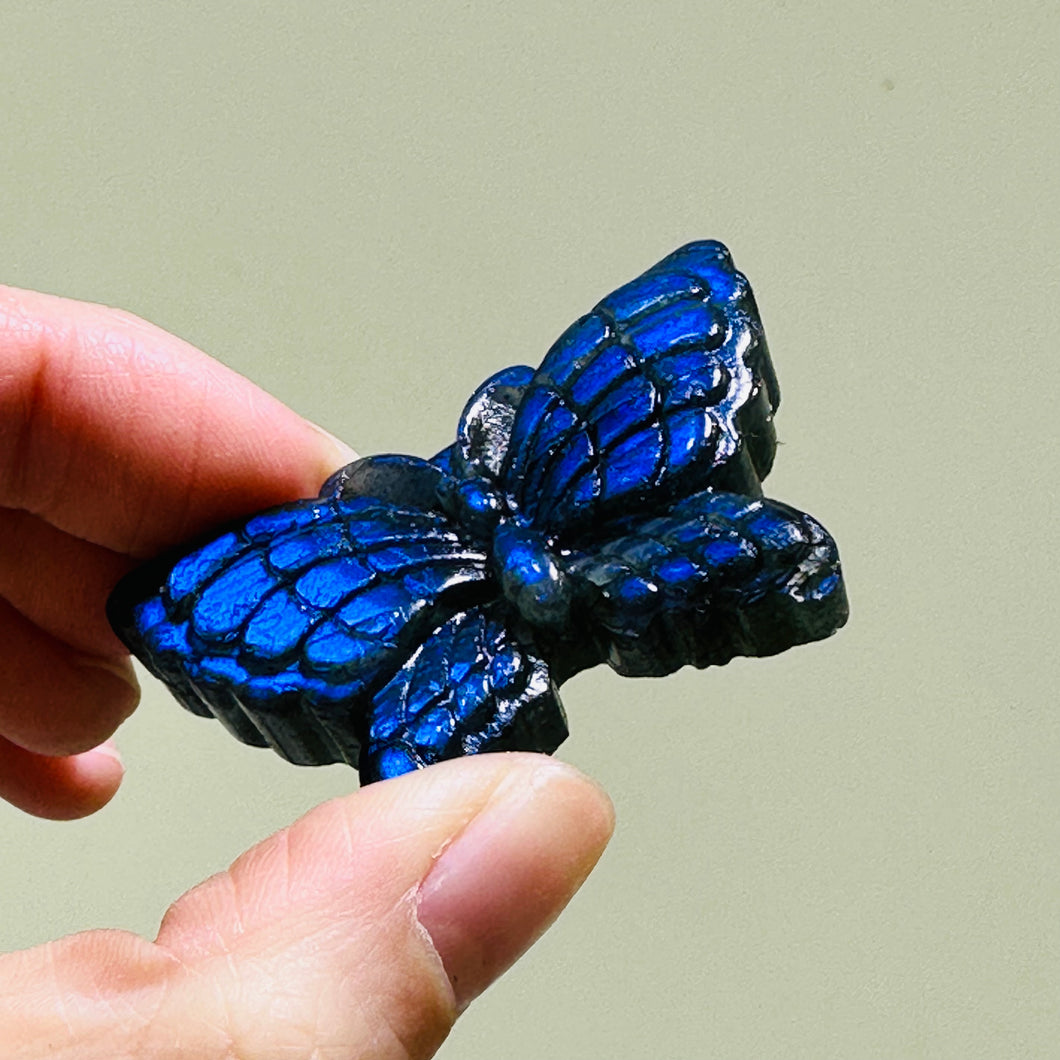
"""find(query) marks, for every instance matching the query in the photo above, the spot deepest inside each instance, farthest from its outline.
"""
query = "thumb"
(361, 930)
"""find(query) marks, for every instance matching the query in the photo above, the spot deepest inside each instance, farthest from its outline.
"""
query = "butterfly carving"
(605, 507)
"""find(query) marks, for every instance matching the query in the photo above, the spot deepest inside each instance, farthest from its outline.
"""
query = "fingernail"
(507, 876)
(110, 750)
(344, 454)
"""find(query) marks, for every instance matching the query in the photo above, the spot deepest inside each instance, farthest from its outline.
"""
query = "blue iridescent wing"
(285, 626)
(476, 684)
(665, 388)
(718, 575)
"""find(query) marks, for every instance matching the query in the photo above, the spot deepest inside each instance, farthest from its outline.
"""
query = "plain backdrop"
(851, 850)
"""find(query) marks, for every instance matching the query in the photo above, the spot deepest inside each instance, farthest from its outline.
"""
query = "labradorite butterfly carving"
(605, 507)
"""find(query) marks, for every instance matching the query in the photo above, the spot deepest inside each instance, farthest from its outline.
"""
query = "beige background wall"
(369, 208)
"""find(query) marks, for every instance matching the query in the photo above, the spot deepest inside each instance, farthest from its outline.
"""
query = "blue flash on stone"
(605, 507)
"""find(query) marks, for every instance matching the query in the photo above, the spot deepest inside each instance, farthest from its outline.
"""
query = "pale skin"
(364, 928)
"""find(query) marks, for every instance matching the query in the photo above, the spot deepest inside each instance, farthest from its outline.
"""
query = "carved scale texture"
(605, 507)
(641, 398)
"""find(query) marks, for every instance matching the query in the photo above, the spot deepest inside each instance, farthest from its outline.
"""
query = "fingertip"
(93, 779)
(336, 452)
(60, 788)
(98, 775)
(111, 692)
(510, 873)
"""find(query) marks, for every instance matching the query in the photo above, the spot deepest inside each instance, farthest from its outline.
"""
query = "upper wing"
(476, 684)
(665, 388)
(286, 625)
(719, 575)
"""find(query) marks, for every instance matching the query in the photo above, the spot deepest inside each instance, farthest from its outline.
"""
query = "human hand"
(365, 927)
(117, 441)
(360, 931)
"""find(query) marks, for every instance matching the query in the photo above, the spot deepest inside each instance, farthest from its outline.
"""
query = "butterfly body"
(604, 507)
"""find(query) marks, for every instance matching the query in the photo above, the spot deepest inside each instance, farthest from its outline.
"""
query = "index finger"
(124, 435)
